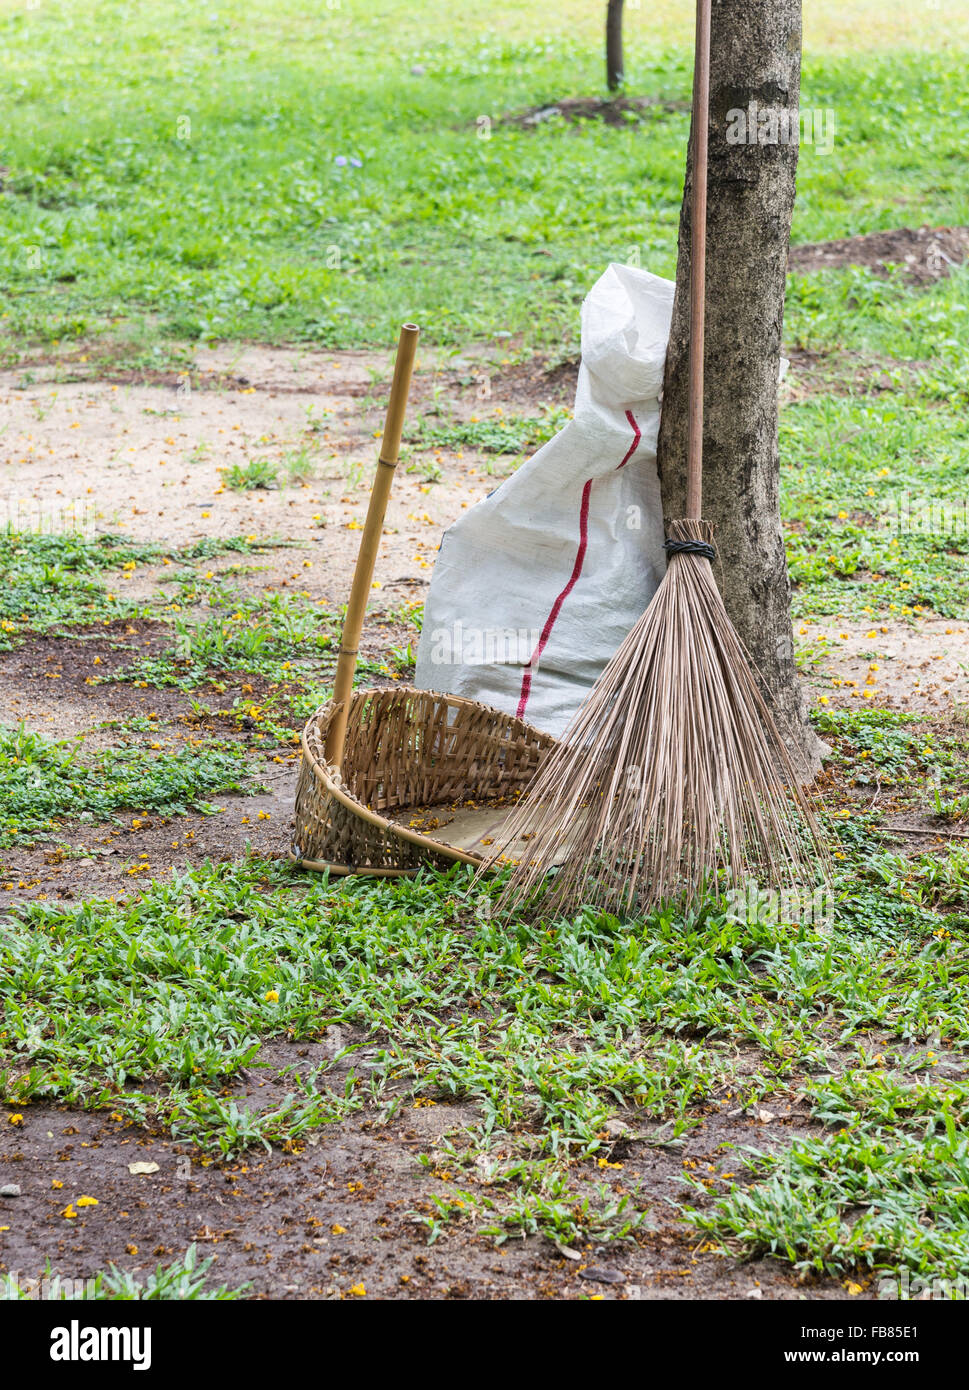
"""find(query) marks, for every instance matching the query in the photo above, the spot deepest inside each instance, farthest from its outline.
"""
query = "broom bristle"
(672, 778)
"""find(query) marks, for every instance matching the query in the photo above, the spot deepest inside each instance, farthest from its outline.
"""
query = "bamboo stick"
(367, 556)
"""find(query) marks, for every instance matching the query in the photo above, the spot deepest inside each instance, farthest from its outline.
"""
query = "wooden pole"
(367, 556)
(698, 259)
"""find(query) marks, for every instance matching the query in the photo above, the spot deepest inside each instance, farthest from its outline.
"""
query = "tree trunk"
(755, 58)
(614, 59)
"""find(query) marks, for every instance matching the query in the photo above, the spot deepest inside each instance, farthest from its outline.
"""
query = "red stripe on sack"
(637, 436)
(550, 621)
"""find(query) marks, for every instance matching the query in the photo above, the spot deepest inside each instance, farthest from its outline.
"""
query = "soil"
(345, 1212)
(926, 254)
(921, 667)
(847, 374)
(615, 111)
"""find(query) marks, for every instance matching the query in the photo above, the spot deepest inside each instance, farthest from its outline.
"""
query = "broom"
(673, 778)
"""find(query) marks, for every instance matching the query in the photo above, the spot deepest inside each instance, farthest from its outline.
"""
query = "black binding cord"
(690, 548)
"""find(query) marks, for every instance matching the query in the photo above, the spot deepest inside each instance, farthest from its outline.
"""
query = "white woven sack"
(536, 586)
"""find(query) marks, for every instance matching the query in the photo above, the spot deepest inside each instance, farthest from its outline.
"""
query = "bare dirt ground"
(341, 1215)
(924, 253)
(148, 457)
(146, 451)
(615, 111)
(918, 668)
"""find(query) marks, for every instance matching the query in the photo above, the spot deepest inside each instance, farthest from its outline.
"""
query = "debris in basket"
(426, 820)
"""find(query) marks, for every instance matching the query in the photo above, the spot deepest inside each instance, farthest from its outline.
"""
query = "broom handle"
(366, 559)
(698, 259)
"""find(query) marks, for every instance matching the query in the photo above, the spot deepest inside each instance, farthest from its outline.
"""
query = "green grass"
(860, 475)
(511, 434)
(198, 193)
(46, 783)
(917, 335)
(51, 583)
(545, 1029)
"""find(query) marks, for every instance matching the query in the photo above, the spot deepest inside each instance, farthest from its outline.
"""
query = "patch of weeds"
(300, 465)
(868, 1198)
(876, 744)
(132, 724)
(427, 469)
(282, 639)
(403, 658)
(215, 1122)
(883, 1100)
(46, 783)
(950, 808)
(274, 636)
(208, 546)
(53, 581)
(498, 434)
(257, 473)
(879, 747)
(563, 1215)
(410, 613)
(941, 880)
(531, 1198)
(185, 1279)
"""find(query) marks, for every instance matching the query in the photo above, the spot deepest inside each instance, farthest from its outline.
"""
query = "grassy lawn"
(181, 176)
(196, 193)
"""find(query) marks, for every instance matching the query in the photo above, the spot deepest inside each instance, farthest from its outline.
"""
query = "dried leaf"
(566, 1250)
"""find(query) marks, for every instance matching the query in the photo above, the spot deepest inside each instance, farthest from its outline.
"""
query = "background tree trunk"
(755, 57)
(614, 59)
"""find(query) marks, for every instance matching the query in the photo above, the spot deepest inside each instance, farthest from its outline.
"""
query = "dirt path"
(149, 458)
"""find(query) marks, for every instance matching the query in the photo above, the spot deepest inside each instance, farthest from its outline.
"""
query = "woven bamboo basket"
(382, 767)
(408, 753)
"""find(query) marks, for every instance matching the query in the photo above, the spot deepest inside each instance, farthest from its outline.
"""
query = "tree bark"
(614, 59)
(755, 58)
